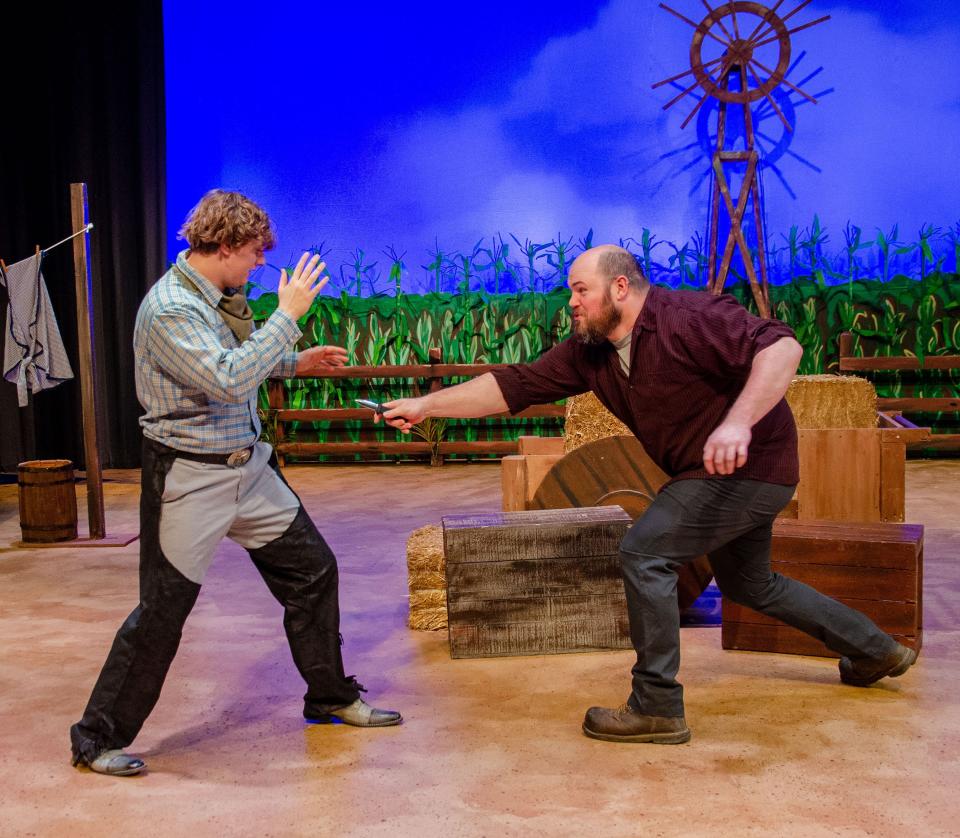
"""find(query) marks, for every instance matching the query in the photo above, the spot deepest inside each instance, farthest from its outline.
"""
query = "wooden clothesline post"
(80, 215)
(87, 362)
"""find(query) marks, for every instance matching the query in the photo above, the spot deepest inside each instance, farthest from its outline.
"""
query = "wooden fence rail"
(917, 404)
(432, 374)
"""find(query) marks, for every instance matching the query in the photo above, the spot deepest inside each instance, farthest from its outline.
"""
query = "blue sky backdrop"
(371, 125)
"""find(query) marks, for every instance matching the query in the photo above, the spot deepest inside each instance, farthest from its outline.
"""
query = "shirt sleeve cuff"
(286, 367)
(773, 331)
(510, 389)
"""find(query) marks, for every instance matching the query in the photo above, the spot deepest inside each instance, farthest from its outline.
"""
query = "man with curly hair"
(206, 475)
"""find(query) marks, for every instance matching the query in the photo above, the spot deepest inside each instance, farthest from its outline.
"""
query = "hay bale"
(421, 600)
(833, 401)
(587, 421)
(429, 619)
(426, 579)
(425, 550)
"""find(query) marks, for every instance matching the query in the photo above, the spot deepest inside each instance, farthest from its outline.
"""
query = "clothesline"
(80, 232)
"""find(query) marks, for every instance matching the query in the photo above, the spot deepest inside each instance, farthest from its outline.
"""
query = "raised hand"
(295, 295)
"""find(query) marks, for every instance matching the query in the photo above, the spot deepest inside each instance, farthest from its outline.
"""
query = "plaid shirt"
(196, 382)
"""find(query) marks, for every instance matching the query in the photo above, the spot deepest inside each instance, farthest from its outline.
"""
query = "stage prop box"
(876, 568)
(535, 582)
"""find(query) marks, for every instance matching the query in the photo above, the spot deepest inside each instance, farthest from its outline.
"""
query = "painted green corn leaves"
(890, 314)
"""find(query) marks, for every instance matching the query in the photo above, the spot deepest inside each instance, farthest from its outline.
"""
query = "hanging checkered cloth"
(33, 354)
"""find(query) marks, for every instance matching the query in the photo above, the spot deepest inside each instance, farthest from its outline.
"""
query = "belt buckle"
(238, 458)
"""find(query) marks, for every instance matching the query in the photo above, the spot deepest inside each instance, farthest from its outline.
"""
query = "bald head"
(607, 292)
(610, 261)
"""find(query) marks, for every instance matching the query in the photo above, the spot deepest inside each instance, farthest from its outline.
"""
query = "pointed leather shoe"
(359, 714)
(113, 762)
(624, 724)
(863, 673)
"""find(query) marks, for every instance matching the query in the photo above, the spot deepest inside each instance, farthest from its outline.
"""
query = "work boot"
(867, 671)
(624, 724)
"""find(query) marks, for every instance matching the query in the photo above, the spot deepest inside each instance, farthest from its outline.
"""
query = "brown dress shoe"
(624, 724)
(863, 673)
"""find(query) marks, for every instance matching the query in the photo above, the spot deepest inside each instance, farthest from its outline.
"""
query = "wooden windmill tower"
(735, 69)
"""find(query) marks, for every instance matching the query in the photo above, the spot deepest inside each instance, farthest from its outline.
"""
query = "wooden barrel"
(48, 500)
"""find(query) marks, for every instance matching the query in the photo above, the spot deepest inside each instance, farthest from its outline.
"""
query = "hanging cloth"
(234, 308)
(33, 355)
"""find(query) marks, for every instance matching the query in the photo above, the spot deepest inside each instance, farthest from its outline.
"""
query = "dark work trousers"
(731, 521)
(300, 571)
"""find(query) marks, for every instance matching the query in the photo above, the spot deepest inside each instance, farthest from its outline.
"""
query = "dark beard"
(595, 331)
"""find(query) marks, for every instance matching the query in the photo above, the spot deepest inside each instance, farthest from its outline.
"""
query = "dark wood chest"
(535, 582)
(875, 568)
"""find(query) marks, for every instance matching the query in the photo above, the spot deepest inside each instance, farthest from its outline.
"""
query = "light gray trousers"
(202, 503)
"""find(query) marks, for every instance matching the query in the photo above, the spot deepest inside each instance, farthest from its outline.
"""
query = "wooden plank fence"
(905, 363)
(426, 377)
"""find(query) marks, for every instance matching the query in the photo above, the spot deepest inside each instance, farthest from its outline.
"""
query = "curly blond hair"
(229, 218)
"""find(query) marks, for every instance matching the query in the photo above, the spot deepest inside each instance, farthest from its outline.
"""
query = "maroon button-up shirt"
(691, 355)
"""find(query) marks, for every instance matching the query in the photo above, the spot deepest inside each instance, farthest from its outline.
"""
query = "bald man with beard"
(700, 381)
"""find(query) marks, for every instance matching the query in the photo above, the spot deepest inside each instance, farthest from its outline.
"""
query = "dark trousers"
(301, 572)
(731, 521)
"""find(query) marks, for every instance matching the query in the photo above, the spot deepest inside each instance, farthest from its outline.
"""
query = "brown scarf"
(234, 309)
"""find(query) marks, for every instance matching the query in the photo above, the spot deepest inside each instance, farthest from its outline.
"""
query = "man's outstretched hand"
(403, 413)
(318, 358)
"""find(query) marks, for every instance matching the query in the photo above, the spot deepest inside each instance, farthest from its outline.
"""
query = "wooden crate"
(852, 474)
(522, 473)
(876, 568)
(535, 582)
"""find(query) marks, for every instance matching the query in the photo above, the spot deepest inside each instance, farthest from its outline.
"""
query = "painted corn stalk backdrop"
(505, 301)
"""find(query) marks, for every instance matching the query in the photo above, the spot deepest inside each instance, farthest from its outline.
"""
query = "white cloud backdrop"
(574, 137)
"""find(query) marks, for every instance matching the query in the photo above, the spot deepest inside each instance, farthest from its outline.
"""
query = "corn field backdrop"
(505, 302)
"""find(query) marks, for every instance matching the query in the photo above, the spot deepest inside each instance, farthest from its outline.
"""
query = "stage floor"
(488, 747)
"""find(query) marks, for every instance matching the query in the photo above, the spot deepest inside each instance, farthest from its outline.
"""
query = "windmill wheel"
(741, 36)
(616, 471)
(739, 50)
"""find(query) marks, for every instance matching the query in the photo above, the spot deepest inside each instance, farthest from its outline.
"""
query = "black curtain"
(83, 101)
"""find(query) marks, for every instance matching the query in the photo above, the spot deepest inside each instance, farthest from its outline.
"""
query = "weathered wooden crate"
(522, 473)
(535, 582)
(876, 568)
